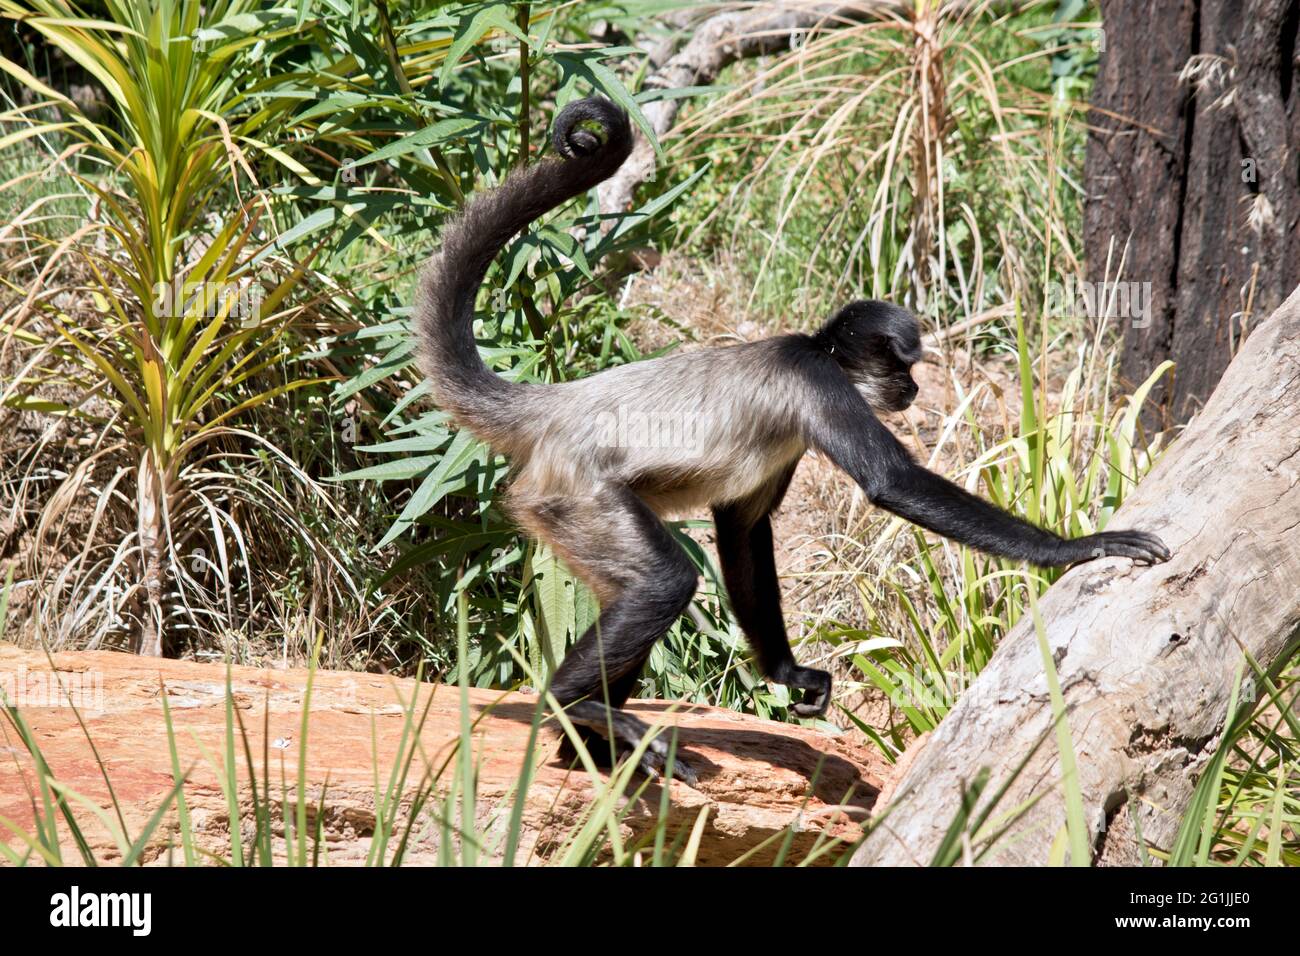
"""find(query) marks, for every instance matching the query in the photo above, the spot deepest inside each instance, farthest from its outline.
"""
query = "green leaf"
(449, 474)
(471, 28)
(390, 470)
(587, 65)
(553, 588)
(440, 132)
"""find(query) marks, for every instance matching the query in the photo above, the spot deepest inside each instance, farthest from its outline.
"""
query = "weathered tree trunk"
(1192, 161)
(150, 494)
(1147, 656)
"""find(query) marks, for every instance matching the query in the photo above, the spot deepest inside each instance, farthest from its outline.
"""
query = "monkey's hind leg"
(597, 675)
(618, 545)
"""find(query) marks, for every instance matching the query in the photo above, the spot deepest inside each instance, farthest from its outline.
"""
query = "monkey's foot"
(654, 766)
(815, 684)
(594, 722)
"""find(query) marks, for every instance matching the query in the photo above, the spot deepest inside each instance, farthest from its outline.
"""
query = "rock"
(755, 774)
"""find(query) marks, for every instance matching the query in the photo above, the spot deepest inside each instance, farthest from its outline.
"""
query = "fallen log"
(757, 775)
(1148, 657)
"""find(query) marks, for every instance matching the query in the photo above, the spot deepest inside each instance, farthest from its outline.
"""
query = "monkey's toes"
(593, 723)
(655, 765)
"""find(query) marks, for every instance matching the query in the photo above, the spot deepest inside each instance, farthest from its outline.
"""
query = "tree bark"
(150, 495)
(1192, 162)
(1147, 656)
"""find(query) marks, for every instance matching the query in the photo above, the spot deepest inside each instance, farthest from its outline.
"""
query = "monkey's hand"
(1137, 545)
(815, 684)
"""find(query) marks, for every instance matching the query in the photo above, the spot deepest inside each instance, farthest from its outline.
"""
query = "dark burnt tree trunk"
(1199, 175)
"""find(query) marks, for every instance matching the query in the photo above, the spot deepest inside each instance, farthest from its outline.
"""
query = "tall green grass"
(910, 157)
(1245, 810)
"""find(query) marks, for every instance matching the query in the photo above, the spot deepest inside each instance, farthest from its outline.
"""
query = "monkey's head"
(876, 344)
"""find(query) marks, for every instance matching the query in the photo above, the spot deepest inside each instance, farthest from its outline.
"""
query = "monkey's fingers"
(1138, 545)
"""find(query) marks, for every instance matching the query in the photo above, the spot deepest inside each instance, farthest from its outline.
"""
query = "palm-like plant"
(189, 311)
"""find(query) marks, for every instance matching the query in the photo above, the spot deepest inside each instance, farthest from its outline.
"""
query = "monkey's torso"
(676, 429)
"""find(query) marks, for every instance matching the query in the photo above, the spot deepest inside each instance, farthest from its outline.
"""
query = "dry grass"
(892, 158)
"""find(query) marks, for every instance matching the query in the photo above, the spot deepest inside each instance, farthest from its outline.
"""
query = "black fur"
(607, 660)
(749, 571)
(861, 331)
(875, 343)
(841, 425)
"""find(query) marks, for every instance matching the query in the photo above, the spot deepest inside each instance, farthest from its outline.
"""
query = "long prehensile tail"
(592, 138)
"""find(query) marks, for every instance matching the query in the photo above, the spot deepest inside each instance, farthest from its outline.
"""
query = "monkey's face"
(891, 391)
(884, 378)
(876, 344)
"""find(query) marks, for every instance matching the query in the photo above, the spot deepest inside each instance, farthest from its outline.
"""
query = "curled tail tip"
(592, 126)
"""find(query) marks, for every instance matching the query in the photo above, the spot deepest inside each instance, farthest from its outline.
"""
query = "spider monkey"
(597, 462)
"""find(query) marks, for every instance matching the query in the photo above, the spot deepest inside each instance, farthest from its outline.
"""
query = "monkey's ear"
(906, 348)
(904, 334)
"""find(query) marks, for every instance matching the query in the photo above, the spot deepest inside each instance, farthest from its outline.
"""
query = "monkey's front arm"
(846, 430)
(749, 570)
